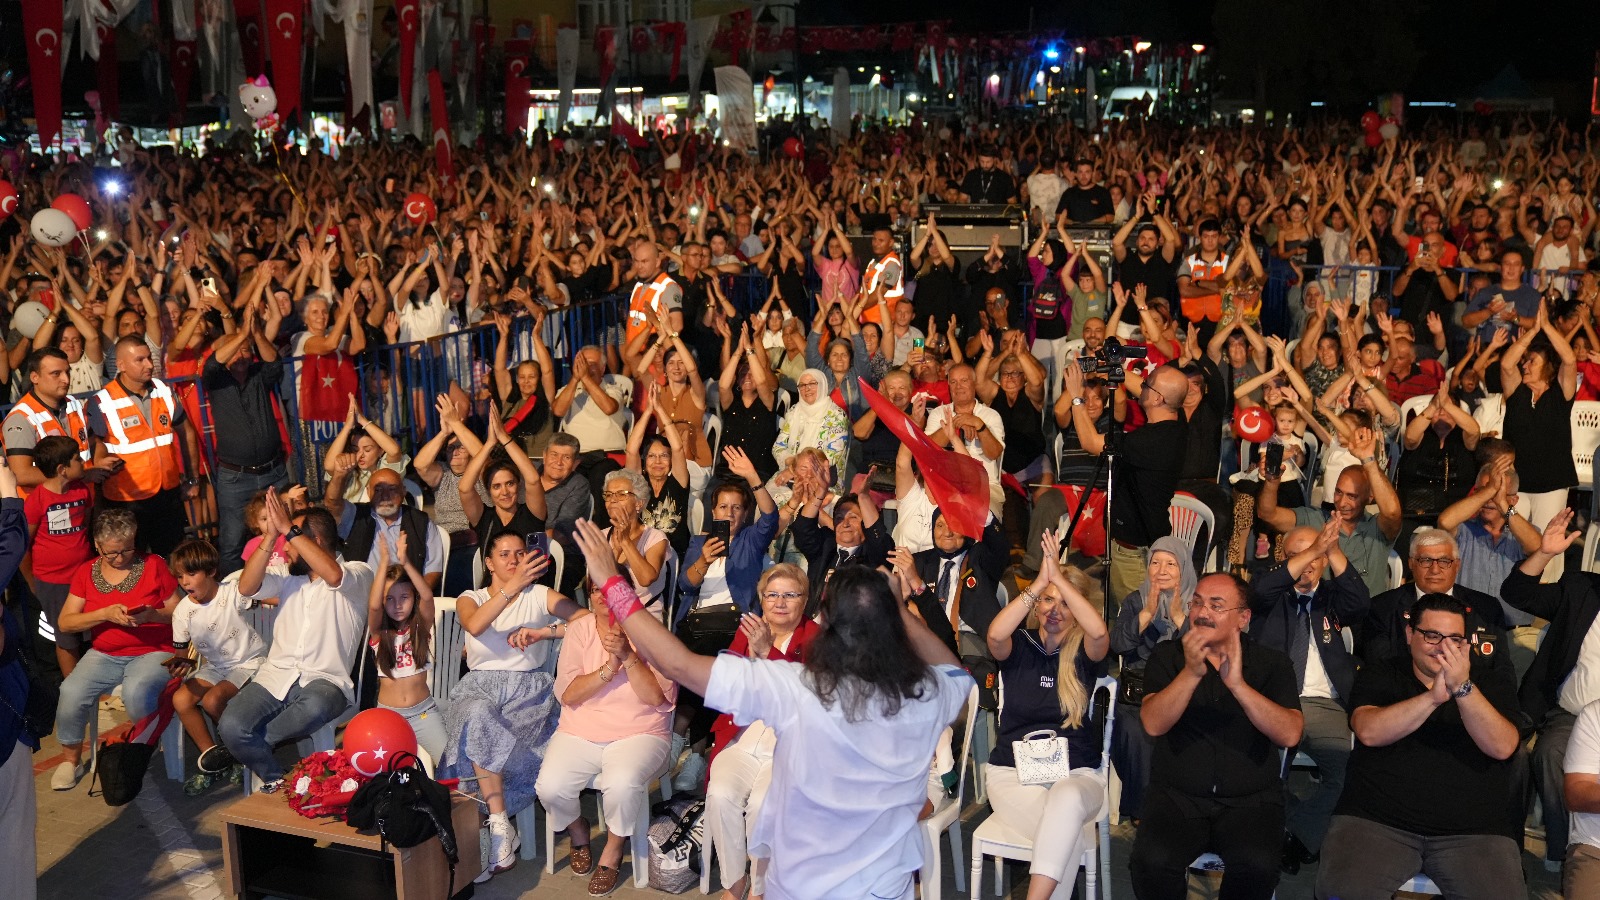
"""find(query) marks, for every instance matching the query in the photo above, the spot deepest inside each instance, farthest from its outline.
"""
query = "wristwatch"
(1465, 689)
(294, 532)
(1077, 401)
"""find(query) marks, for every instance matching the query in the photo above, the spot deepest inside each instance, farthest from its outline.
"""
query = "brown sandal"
(582, 860)
(603, 881)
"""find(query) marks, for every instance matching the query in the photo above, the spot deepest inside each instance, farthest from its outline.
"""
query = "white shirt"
(948, 599)
(1582, 686)
(217, 630)
(491, 651)
(318, 628)
(714, 590)
(913, 529)
(594, 429)
(1044, 194)
(1583, 758)
(840, 790)
(418, 323)
(1317, 683)
(989, 417)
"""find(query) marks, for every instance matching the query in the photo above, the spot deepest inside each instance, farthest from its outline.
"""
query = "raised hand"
(1556, 539)
(757, 633)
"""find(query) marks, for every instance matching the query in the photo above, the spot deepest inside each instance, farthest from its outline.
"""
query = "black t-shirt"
(1085, 204)
(1147, 475)
(939, 295)
(1157, 274)
(668, 512)
(1205, 426)
(1030, 703)
(1213, 750)
(1434, 781)
(993, 186)
(1024, 430)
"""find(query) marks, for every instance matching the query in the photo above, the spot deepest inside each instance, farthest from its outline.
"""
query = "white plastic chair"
(1187, 515)
(947, 818)
(1397, 572)
(993, 837)
(1420, 884)
(713, 429)
(449, 642)
(638, 843)
(1591, 546)
(1416, 405)
(1585, 438)
(697, 516)
(558, 562)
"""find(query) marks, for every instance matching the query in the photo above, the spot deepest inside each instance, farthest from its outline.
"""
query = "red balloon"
(374, 736)
(1373, 139)
(1250, 423)
(76, 208)
(1483, 108)
(419, 209)
(8, 200)
(1370, 121)
(558, 144)
(794, 148)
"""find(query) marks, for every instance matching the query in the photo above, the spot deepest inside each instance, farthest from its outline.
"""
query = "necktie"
(942, 588)
(1300, 638)
(844, 557)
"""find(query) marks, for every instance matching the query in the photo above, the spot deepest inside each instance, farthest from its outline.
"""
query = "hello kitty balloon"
(258, 97)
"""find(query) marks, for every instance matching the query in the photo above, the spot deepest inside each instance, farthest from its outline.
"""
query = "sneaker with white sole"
(68, 774)
(215, 760)
(503, 845)
(691, 775)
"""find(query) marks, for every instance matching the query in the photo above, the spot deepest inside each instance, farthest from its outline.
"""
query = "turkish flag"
(623, 129)
(605, 44)
(408, 13)
(247, 13)
(41, 26)
(285, 38)
(106, 79)
(958, 484)
(183, 66)
(440, 114)
(326, 383)
(517, 85)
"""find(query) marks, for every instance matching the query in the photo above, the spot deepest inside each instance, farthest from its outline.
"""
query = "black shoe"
(1295, 855)
(215, 760)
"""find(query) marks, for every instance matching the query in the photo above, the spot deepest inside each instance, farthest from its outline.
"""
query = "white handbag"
(1041, 757)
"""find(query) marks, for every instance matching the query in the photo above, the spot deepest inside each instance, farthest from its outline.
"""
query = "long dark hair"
(863, 654)
(421, 629)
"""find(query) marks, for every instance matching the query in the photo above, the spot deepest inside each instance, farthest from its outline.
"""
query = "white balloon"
(53, 228)
(259, 100)
(28, 318)
(944, 134)
(1388, 131)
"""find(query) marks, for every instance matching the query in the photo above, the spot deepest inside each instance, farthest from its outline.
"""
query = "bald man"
(363, 526)
(1366, 539)
(1146, 476)
(654, 294)
(1302, 609)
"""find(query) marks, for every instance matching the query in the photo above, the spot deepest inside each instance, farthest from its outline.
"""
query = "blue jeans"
(141, 677)
(255, 721)
(234, 490)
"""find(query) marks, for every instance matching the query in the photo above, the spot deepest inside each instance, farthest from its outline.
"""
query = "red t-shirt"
(939, 390)
(153, 588)
(59, 524)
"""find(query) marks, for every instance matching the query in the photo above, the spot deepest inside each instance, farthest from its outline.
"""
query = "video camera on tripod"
(1109, 360)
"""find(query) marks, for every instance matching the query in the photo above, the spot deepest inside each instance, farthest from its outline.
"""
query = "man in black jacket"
(960, 578)
(858, 536)
(1563, 678)
(386, 518)
(1303, 614)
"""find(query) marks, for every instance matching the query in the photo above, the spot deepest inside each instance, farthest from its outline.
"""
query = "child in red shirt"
(57, 512)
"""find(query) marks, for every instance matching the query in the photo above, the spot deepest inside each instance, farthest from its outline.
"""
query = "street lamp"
(768, 18)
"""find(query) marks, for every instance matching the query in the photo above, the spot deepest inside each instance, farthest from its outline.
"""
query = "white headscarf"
(805, 419)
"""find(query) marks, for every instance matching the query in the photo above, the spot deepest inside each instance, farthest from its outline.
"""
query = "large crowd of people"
(615, 404)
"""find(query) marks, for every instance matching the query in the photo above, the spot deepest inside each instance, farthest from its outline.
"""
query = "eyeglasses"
(807, 384)
(1010, 374)
(1214, 606)
(1442, 562)
(616, 495)
(1434, 637)
(117, 554)
(787, 596)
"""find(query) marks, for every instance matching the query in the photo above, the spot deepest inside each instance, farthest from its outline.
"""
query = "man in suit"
(1565, 675)
(957, 587)
(1300, 609)
(858, 537)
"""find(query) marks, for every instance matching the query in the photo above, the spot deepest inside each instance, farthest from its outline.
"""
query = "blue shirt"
(1029, 702)
(1485, 563)
(747, 559)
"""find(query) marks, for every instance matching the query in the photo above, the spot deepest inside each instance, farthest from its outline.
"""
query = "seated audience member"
(226, 652)
(1492, 538)
(369, 529)
(568, 497)
(503, 711)
(1149, 616)
(741, 757)
(440, 464)
(400, 634)
(593, 406)
(660, 458)
(1580, 875)
(813, 421)
(1429, 785)
(1220, 707)
(1364, 538)
(305, 682)
(1301, 610)
(57, 513)
(1047, 677)
(856, 536)
(717, 572)
(641, 550)
(516, 492)
(124, 599)
(616, 715)
(374, 450)
(981, 431)
(958, 583)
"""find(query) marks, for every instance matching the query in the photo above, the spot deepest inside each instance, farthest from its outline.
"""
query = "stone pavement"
(167, 846)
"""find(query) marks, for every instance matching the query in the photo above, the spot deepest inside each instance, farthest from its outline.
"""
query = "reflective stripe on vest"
(146, 448)
(645, 296)
(895, 292)
(45, 423)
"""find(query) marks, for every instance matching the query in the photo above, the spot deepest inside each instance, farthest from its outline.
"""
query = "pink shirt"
(277, 558)
(840, 280)
(615, 712)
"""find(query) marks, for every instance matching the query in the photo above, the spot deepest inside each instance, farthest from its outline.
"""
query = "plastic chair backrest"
(449, 642)
(1585, 438)
(1187, 515)
(1397, 572)
(1100, 714)
(966, 747)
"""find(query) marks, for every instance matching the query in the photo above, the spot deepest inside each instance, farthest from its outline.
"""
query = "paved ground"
(167, 846)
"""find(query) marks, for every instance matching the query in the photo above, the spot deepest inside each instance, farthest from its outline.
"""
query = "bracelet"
(631, 663)
(620, 598)
(605, 672)
(1029, 597)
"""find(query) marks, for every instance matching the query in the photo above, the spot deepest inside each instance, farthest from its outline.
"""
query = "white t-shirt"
(913, 528)
(418, 323)
(1583, 758)
(989, 417)
(594, 429)
(1582, 686)
(217, 630)
(841, 790)
(492, 650)
(1044, 194)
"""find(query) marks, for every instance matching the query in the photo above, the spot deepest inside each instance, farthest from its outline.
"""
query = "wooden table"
(269, 849)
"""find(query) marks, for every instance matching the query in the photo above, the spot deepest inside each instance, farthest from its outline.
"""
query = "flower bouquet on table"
(322, 784)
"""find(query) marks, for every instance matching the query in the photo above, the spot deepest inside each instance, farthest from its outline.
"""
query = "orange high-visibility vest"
(45, 423)
(891, 293)
(148, 449)
(645, 303)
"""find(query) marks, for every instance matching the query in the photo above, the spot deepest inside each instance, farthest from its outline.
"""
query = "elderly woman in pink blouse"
(616, 716)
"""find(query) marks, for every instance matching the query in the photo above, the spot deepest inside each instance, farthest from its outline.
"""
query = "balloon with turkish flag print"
(76, 208)
(1370, 120)
(1253, 424)
(373, 738)
(8, 200)
(794, 148)
(419, 209)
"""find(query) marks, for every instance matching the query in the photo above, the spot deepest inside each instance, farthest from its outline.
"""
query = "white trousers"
(1539, 509)
(734, 794)
(19, 812)
(621, 771)
(1053, 814)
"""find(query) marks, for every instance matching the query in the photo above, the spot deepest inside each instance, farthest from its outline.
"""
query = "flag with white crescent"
(284, 41)
(42, 23)
(439, 111)
(409, 14)
(247, 13)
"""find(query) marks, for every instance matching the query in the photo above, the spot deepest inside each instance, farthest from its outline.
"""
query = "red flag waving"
(622, 128)
(958, 484)
(439, 110)
(284, 40)
(41, 24)
(408, 13)
(326, 383)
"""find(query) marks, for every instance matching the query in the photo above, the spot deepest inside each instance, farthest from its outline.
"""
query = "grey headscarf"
(1186, 575)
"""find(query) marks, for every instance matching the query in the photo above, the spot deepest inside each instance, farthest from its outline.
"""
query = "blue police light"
(1052, 52)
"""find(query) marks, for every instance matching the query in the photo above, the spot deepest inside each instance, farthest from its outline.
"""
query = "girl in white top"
(503, 711)
(400, 633)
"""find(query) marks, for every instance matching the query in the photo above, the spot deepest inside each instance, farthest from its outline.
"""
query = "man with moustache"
(1218, 707)
(363, 525)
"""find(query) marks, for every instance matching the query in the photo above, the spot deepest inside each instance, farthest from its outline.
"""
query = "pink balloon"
(76, 207)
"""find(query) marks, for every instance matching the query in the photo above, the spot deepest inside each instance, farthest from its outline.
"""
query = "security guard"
(46, 409)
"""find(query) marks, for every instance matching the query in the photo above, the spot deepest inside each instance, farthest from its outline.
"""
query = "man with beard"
(1218, 707)
(322, 615)
(386, 518)
(1154, 260)
(988, 183)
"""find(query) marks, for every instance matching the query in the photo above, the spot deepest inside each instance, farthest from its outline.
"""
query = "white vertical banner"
(736, 99)
(701, 33)
(839, 123)
(566, 72)
(183, 24)
(356, 17)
